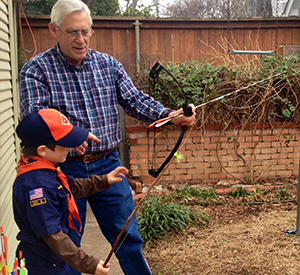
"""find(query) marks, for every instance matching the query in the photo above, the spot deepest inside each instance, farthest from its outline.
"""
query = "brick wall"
(212, 153)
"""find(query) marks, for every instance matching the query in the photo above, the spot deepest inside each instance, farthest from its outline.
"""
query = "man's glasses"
(74, 34)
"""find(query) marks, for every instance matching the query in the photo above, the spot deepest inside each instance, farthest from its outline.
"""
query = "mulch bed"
(244, 236)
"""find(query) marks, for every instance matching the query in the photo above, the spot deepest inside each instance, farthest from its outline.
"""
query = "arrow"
(163, 121)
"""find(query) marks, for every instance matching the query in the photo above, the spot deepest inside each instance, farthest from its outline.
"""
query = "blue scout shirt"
(40, 209)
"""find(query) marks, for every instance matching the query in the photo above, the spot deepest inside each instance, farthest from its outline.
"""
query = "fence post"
(137, 44)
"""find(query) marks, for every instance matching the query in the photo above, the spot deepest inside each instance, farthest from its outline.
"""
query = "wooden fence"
(181, 40)
(174, 40)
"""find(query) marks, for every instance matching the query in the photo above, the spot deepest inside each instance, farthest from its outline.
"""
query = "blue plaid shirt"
(88, 95)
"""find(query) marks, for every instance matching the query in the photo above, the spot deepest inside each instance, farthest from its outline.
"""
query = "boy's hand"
(101, 270)
(117, 175)
(81, 149)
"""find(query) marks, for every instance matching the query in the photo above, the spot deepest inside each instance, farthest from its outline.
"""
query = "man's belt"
(90, 158)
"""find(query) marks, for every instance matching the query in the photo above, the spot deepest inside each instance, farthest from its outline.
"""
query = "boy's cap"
(49, 126)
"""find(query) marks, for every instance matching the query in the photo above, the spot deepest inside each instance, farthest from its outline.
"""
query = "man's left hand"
(189, 121)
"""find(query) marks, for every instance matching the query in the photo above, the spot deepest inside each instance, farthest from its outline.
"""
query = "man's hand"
(117, 175)
(81, 149)
(189, 121)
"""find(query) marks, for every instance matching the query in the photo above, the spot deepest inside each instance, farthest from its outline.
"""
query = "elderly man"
(87, 86)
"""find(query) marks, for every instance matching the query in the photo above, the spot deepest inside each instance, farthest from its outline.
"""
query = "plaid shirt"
(88, 95)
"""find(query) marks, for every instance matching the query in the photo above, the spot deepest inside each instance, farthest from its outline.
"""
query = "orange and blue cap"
(48, 126)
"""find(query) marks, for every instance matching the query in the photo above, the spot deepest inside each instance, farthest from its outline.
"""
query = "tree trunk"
(263, 8)
(89, 2)
(134, 4)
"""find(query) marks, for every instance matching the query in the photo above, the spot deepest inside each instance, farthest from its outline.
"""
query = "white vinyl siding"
(8, 117)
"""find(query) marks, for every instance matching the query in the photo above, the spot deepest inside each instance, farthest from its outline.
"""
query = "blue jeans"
(111, 208)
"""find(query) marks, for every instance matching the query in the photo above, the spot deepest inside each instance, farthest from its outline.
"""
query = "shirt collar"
(67, 62)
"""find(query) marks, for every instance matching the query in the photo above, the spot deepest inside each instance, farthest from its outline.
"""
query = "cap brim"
(75, 138)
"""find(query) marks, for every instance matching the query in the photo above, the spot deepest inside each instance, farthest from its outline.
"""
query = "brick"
(168, 178)
(285, 149)
(232, 169)
(294, 156)
(202, 165)
(277, 167)
(197, 153)
(133, 141)
(173, 134)
(183, 164)
(270, 138)
(143, 141)
(210, 146)
(252, 138)
(285, 160)
(295, 172)
(238, 162)
(285, 173)
(139, 148)
(196, 171)
(183, 177)
(213, 170)
(278, 155)
(268, 151)
(212, 158)
(199, 176)
(216, 140)
(201, 140)
(178, 171)
(193, 146)
(219, 176)
(137, 135)
(265, 144)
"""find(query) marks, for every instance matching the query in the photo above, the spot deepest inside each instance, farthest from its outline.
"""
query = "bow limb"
(156, 180)
(186, 110)
(155, 173)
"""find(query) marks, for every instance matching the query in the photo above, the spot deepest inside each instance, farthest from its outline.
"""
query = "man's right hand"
(81, 149)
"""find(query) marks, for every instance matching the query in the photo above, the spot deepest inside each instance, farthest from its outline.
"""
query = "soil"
(244, 236)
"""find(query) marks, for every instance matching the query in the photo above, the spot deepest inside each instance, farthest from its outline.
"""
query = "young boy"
(43, 197)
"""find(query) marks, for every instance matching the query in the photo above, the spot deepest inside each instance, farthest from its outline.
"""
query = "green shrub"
(272, 101)
(157, 218)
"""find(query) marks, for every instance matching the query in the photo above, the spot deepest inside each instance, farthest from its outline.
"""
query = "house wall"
(9, 146)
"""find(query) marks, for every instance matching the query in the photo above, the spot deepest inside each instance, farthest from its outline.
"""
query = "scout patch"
(37, 197)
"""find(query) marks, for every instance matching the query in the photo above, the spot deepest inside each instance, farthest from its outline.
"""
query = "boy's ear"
(41, 151)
